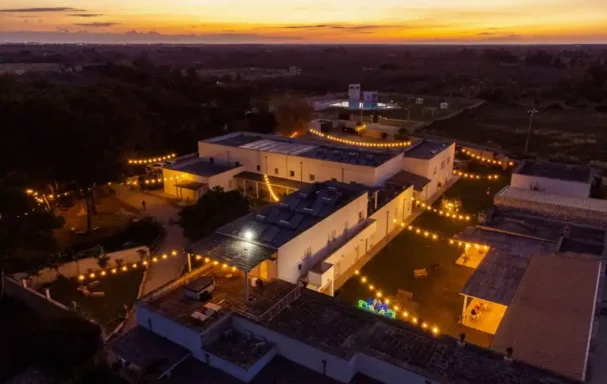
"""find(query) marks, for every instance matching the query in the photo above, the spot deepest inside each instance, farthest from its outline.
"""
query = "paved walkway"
(163, 211)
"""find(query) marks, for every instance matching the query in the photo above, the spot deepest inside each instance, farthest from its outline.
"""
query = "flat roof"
(582, 203)
(499, 273)
(554, 171)
(548, 323)
(240, 253)
(145, 348)
(344, 331)
(200, 167)
(278, 223)
(405, 179)
(426, 149)
(309, 148)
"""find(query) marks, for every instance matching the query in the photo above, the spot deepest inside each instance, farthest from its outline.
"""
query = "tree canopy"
(214, 209)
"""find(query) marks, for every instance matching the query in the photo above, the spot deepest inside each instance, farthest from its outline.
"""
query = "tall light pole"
(531, 113)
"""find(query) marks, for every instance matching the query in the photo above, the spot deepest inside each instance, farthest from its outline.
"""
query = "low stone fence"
(75, 268)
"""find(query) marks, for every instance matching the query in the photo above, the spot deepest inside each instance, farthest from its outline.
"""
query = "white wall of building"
(169, 329)
(438, 169)
(225, 180)
(558, 187)
(298, 168)
(389, 216)
(320, 240)
(172, 177)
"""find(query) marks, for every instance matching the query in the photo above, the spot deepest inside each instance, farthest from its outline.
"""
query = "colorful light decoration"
(360, 143)
(152, 159)
(486, 159)
(376, 306)
(475, 177)
(269, 186)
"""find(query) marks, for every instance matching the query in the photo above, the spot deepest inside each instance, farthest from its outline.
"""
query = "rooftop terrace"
(310, 148)
(426, 149)
(554, 171)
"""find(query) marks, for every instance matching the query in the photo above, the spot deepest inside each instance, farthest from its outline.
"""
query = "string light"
(394, 308)
(474, 176)
(152, 159)
(453, 216)
(361, 143)
(486, 159)
(269, 186)
(434, 236)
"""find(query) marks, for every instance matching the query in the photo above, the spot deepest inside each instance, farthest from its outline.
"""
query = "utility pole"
(531, 113)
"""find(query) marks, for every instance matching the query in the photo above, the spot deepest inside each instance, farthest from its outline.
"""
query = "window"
(312, 177)
(434, 171)
(276, 171)
(292, 173)
(259, 168)
(448, 160)
(442, 164)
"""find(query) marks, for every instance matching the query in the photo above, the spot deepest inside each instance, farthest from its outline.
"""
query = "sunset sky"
(305, 21)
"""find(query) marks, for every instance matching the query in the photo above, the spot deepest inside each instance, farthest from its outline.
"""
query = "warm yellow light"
(164, 256)
(414, 320)
(215, 262)
(224, 265)
(144, 262)
(387, 301)
(233, 268)
(357, 272)
(363, 279)
(396, 307)
(174, 252)
(134, 266)
(406, 314)
(198, 257)
(154, 260)
(114, 270)
(410, 228)
(206, 259)
(451, 241)
(81, 277)
(435, 330)
(103, 273)
(378, 294)
(371, 287)
(394, 220)
(424, 325)
(92, 275)
(434, 237)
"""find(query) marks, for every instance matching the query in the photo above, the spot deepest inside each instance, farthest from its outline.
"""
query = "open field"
(568, 135)
(119, 290)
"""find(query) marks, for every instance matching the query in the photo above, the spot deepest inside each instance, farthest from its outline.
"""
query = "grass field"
(107, 311)
(569, 135)
(436, 299)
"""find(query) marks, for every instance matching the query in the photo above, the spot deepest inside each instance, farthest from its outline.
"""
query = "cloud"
(96, 25)
(85, 14)
(336, 26)
(53, 9)
(139, 37)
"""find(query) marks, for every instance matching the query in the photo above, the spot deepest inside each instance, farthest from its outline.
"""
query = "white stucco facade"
(555, 186)
(437, 168)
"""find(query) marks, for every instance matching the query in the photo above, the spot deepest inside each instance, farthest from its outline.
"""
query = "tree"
(293, 115)
(214, 209)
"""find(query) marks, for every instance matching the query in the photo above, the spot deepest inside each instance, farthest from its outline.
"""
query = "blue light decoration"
(377, 307)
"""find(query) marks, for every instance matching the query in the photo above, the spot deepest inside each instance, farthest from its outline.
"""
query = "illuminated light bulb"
(215, 262)
(114, 270)
(406, 314)
(418, 231)
(467, 245)
(363, 279)
(435, 330)
(357, 272)
(371, 287)
(387, 301)
(402, 224)
(378, 294)
(396, 307)
(174, 252)
(164, 256)
(198, 257)
(410, 228)
(467, 218)
(206, 259)
(224, 265)
(476, 246)
(124, 268)
(486, 247)
(92, 275)
(424, 325)
(233, 268)
(154, 260)
(134, 266)
(144, 262)
(434, 237)
(81, 277)
(414, 320)
(426, 234)
(103, 273)
(394, 220)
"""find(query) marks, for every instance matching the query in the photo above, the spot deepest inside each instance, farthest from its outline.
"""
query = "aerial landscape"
(303, 192)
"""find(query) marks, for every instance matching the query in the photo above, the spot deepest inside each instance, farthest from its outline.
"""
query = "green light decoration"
(377, 307)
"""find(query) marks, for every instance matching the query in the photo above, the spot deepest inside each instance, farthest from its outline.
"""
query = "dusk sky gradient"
(304, 21)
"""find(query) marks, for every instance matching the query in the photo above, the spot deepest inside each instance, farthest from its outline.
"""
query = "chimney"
(375, 193)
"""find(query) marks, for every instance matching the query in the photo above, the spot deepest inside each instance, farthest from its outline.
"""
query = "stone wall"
(553, 211)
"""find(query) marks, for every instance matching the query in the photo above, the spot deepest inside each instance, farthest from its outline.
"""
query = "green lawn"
(107, 311)
(436, 299)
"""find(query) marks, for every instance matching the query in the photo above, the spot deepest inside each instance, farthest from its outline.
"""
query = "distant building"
(354, 96)
(555, 178)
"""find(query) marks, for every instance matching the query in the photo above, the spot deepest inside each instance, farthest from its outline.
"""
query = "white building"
(314, 235)
(559, 179)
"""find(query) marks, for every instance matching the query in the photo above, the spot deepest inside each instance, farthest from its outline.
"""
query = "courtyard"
(434, 299)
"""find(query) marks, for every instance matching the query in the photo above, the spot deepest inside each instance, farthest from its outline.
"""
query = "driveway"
(163, 211)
